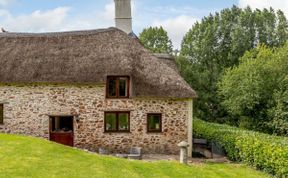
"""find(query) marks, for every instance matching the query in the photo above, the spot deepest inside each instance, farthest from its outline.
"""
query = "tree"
(282, 28)
(157, 40)
(256, 92)
(217, 42)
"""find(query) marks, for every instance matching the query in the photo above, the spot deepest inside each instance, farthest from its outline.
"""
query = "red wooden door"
(61, 129)
(62, 138)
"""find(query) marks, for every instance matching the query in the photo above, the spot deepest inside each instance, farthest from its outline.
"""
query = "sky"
(176, 16)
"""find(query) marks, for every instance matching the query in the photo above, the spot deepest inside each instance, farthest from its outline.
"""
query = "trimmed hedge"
(263, 151)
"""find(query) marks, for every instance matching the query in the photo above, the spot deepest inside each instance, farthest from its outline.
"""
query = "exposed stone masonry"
(27, 109)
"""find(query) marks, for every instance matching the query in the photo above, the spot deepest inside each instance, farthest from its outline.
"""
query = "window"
(117, 87)
(1, 114)
(62, 124)
(117, 121)
(154, 123)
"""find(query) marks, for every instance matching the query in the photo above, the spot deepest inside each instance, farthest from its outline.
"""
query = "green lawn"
(30, 157)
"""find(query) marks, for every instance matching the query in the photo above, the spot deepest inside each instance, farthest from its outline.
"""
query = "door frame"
(50, 126)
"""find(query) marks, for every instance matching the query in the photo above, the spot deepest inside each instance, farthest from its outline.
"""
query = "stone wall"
(26, 110)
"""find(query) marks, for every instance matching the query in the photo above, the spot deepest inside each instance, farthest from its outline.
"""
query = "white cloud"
(177, 23)
(105, 17)
(176, 27)
(58, 19)
(260, 4)
(98, 19)
(39, 21)
(4, 13)
(5, 2)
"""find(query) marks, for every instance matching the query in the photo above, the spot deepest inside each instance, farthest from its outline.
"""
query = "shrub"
(262, 151)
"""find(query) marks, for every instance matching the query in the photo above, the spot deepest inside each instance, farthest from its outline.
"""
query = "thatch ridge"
(55, 34)
(88, 57)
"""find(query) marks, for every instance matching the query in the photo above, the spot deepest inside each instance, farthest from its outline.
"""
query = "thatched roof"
(87, 57)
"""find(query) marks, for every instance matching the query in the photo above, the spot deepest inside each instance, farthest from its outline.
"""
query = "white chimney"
(123, 17)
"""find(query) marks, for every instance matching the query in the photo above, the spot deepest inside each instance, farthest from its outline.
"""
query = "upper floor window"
(1, 114)
(117, 87)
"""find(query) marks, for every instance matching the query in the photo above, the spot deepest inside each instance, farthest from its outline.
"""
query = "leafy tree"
(279, 112)
(156, 39)
(256, 92)
(216, 43)
(282, 28)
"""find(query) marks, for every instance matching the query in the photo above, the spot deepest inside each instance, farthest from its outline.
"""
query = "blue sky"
(177, 17)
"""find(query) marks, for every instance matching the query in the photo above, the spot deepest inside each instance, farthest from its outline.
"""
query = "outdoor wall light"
(77, 118)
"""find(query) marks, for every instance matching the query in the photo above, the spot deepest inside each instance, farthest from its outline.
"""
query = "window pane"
(154, 122)
(112, 87)
(110, 120)
(66, 123)
(1, 114)
(123, 87)
(55, 124)
(62, 124)
(123, 121)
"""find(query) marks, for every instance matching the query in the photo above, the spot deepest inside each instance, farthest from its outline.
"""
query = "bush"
(262, 151)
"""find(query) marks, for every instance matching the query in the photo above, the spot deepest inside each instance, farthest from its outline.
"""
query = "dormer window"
(117, 87)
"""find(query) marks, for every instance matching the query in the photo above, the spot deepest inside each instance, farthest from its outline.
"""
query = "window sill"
(117, 132)
(153, 132)
(114, 98)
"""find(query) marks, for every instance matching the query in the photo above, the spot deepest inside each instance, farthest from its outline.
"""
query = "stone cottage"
(92, 89)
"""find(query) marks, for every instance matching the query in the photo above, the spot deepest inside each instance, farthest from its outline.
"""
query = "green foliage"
(217, 42)
(265, 152)
(33, 157)
(279, 112)
(257, 90)
(156, 39)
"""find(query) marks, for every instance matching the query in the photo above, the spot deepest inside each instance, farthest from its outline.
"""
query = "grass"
(32, 157)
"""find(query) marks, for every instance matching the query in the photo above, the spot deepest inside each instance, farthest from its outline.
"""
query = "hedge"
(262, 151)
